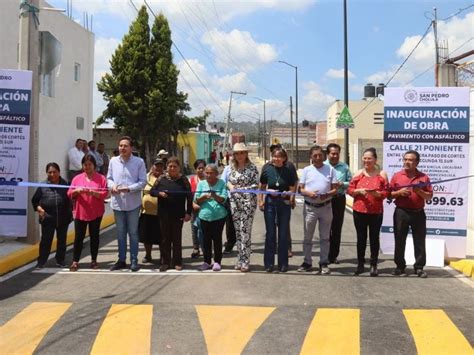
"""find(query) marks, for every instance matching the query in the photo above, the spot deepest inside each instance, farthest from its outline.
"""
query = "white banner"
(15, 103)
(435, 122)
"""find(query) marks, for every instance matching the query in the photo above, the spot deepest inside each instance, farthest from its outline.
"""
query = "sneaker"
(134, 266)
(163, 268)
(269, 269)
(61, 264)
(398, 272)
(421, 273)
(195, 254)
(373, 271)
(227, 251)
(205, 266)
(147, 260)
(178, 267)
(39, 266)
(238, 266)
(216, 267)
(283, 268)
(324, 270)
(118, 266)
(305, 267)
(335, 261)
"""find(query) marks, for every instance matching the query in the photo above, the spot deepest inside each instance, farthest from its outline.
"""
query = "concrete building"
(321, 135)
(368, 115)
(66, 79)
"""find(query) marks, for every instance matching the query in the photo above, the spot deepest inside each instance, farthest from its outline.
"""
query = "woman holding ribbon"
(277, 180)
(368, 187)
(55, 214)
(175, 204)
(88, 191)
(210, 196)
(243, 176)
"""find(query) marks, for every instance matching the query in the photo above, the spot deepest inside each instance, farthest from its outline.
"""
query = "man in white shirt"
(318, 185)
(75, 156)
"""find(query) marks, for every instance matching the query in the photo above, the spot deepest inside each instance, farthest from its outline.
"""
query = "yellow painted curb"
(465, 266)
(30, 252)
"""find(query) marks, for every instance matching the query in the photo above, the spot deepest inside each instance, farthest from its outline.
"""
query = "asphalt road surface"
(55, 311)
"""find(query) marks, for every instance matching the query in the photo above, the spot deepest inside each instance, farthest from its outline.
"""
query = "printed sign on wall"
(15, 103)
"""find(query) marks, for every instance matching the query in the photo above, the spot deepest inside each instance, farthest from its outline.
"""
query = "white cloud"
(456, 31)
(338, 74)
(221, 11)
(237, 49)
(103, 50)
(236, 82)
(315, 101)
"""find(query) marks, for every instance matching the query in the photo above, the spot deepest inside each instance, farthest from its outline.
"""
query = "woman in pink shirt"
(88, 191)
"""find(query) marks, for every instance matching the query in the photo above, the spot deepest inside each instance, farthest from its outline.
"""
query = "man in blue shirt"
(126, 178)
(343, 176)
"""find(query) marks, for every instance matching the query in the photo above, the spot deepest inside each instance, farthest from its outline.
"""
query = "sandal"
(74, 266)
(94, 265)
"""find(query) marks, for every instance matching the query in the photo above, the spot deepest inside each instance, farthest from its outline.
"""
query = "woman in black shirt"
(278, 178)
(175, 204)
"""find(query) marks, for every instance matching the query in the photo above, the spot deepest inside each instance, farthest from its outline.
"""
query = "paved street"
(57, 312)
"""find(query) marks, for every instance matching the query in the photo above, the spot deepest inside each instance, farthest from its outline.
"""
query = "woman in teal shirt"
(210, 196)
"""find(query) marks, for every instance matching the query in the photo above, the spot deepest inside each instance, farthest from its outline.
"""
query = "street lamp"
(227, 123)
(296, 104)
(264, 127)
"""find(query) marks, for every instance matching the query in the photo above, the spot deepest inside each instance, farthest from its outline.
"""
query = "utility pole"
(435, 35)
(259, 140)
(28, 59)
(291, 124)
(346, 86)
(296, 113)
(228, 120)
(264, 127)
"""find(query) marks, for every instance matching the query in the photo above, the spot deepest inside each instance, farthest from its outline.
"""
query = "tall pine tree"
(142, 89)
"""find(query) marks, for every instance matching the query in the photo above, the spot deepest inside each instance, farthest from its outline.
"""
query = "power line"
(457, 13)
(432, 65)
(409, 55)
(189, 66)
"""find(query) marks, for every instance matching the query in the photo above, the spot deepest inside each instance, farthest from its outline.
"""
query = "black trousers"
(80, 233)
(47, 235)
(212, 233)
(404, 219)
(171, 239)
(229, 231)
(372, 223)
(338, 203)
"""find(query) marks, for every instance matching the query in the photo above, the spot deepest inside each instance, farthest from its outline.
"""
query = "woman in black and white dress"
(243, 176)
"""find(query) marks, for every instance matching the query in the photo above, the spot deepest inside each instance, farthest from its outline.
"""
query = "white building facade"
(67, 62)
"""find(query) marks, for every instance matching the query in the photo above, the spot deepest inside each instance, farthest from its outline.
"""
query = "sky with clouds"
(236, 45)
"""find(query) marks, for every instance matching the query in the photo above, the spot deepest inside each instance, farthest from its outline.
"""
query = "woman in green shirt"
(210, 196)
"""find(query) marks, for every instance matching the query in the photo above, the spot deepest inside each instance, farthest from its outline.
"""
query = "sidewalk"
(14, 254)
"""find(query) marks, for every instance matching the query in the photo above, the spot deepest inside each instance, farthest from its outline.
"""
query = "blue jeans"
(127, 222)
(277, 214)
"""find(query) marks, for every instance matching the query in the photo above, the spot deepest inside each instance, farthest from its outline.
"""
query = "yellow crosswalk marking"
(228, 329)
(23, 333)
(126, 330)
(333, 331)
(435, 333)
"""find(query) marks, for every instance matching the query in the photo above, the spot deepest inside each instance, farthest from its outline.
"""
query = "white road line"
(142, 272)
(460, 276)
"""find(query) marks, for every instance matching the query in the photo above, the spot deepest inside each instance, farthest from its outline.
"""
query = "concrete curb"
(466, 266)
(30, 252)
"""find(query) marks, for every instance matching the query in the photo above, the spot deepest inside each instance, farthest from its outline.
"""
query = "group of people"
(152, 207)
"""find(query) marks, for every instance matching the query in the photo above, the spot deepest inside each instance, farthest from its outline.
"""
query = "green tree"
(125, 88)
(141, 90)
